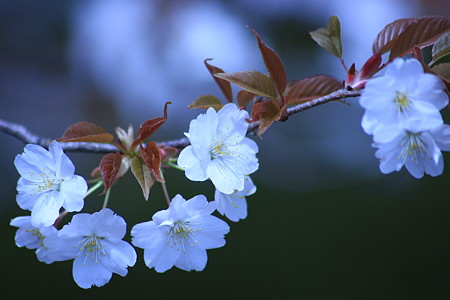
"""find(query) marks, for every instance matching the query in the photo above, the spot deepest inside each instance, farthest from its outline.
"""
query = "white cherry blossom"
(404, 92)
(48, 183)
(33, 237)
(219, 149)
(95, 243)
(180, 235)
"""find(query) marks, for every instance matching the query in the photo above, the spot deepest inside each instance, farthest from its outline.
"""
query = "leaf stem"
(105, 202)
(343, 64)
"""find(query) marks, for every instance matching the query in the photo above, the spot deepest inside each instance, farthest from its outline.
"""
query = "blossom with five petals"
(95, 243)
(180, 235)
(219, 149)
(48, 183)
(404, 92)
(416, 145)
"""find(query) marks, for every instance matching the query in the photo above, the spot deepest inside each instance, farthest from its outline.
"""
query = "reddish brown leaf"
(206, 101)
(167, 152)
(389, 34)
(310, 88)
(252, 81)
(266, 112)
(422, 33)
(442, 70)
(149, 127)
(109, 167)
(371, 66)
(273, 63)
(152, 159)
(86, 132)
(224, 85)
(244, 97)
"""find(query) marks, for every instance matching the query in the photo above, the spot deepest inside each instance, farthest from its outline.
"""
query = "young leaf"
(442, 70)
(142, 174)
(109, 167)
(273, 63)
(371, 66)
(252, 81)
(266, 112)
(149, 127)
(244, 97)
(441, 48)
(422, 33)
(207, 101)
(86, 132)
(152, 160)
(389, 34)
(224, 85)
(310, 88)
(329, 38)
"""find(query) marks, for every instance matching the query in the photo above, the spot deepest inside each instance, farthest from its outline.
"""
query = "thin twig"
(23, 134)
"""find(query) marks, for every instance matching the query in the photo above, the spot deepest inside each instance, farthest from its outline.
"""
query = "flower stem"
(93, 188)
(166, 194)
(175, 166)
(60, 217)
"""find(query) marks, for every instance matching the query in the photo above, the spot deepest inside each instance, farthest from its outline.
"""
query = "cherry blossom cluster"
(178, 236)
(402, 112)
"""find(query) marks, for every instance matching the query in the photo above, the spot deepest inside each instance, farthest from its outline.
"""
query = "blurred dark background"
(324, 223)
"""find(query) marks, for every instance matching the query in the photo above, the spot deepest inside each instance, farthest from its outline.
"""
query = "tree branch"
(23, 134)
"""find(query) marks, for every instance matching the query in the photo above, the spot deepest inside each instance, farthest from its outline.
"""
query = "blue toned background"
(324, 223)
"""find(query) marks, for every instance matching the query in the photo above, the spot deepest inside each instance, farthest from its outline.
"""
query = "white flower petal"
(64, 167)
(225, 175)
(46, 210)
(73, 191)
(232, 206)
(194, 259)
(195, 168)
(86, 273)
(120, 255)
(233, 122)
(163, 260)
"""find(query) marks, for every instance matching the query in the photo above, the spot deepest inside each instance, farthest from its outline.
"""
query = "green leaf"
(86, 132)
(252, 81)
(441, 48)
(422, 33)
(142, 174)
(207, 101)
(224, 85)
(273, 63)
(389, 34)
(311, 88)
(266, 112)
(329, 38)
